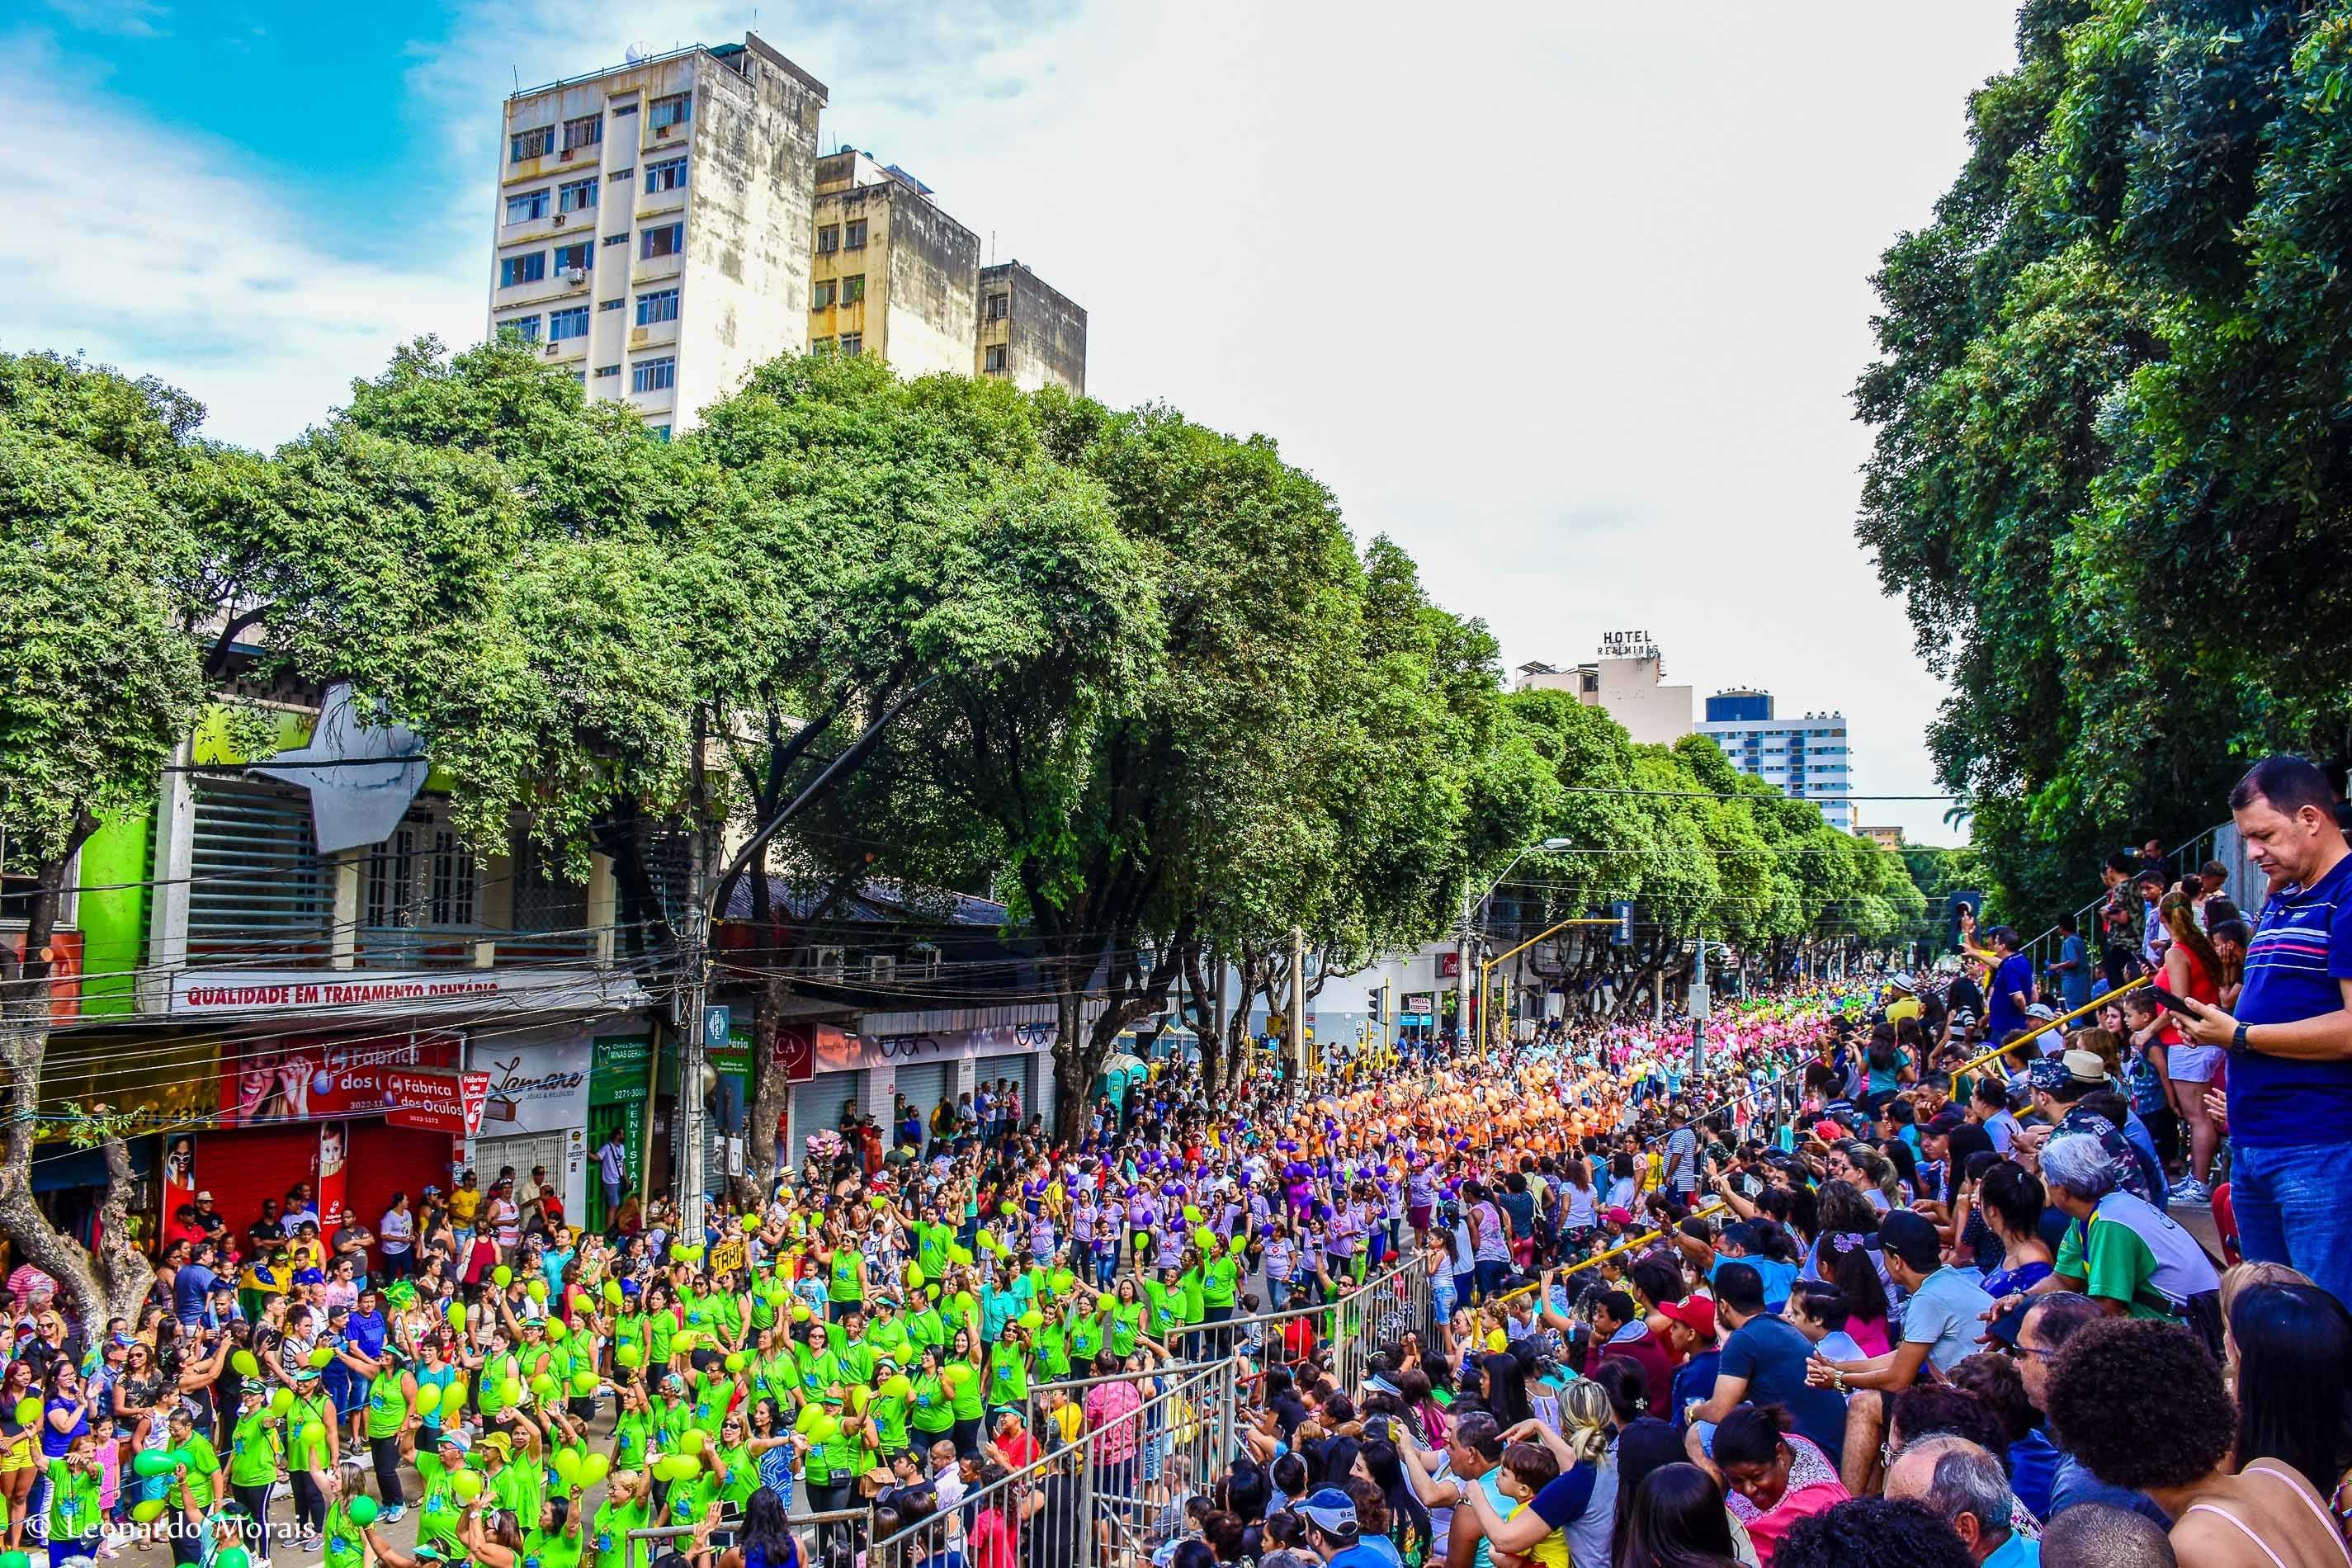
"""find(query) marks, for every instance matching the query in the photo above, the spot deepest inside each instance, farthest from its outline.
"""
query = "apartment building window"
(580, 258)
(452, 881)
(674, 109)
(828, 240)
(661, 305)
(580, 377)
(659, 433)
(999, 307)
(853, 235)
(853, 289)
(523, 327)
(535, 142)
(576, 196)
(654, 375)
(585, 132)
(610, 304)
(853, 343)
(621, 109)
(996, 357)
(528, 268)
(662, 239)
(526, 205)
(616, 239)
(390, 879)
(605, 370)
(821, 294)
(669, 175)
(564, 325)
(820, 345)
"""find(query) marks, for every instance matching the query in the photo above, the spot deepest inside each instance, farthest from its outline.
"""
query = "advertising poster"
(334, 1142)
(299, 1078)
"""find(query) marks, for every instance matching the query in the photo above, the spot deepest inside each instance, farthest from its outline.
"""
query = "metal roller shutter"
(925, 1084)
(817, 1105)
(522, 1150)
(1021, 1070)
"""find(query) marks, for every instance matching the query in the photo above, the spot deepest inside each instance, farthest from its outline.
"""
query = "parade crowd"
(1896, 1278)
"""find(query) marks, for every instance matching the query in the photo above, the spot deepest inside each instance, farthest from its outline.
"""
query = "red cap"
(1693, 1312)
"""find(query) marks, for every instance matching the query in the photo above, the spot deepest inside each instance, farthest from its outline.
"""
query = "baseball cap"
(1695, 1313)
(1946, 1121)
(2047, 1074)
(456, 1437)
(1331, 1511)
(1911, 1237)
(2042, 1012)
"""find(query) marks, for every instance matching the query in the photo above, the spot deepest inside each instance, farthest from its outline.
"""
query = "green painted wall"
(112, 917)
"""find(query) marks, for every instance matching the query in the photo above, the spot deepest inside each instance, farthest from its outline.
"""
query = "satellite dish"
(638, 51)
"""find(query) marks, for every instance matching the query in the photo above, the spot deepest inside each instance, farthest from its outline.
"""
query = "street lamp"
(1462, 987)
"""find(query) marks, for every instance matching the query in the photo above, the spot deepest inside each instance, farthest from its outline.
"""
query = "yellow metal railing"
(2093, 1006)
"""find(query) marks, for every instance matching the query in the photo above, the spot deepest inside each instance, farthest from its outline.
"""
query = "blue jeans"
(1278, 1294)
(2290, 1207)
(1491, 1274)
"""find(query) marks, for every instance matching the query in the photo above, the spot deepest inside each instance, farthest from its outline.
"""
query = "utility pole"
(1462, 972)
(1699, 1009)
(1298, 1001)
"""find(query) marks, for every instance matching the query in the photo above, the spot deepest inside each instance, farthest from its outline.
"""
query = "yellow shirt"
(465, 1205)
(1551, 1552)
(1909, 1007)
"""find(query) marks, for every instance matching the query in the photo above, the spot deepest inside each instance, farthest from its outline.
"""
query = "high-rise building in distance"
(667, 225)
(1805, 759)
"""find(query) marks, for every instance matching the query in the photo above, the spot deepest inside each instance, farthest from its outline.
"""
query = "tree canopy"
(2110, 470)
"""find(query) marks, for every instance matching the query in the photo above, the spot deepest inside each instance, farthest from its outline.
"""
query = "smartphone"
(2167, 999)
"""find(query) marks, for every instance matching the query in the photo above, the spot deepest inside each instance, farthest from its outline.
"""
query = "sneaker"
(2189, 1190)
(393, 1514)
(309, 1543)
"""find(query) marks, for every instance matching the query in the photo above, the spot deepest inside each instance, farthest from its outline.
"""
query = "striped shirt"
(2300, 954)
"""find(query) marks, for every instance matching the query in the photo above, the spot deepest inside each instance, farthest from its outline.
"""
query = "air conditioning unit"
(559, 220)
(881, 969)
(826, 962)
(661, 129)
(575, 275)
(638, 335)
(554, 349)
(567, 155)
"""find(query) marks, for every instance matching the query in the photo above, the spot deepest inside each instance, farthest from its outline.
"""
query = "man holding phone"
(2290, 1040)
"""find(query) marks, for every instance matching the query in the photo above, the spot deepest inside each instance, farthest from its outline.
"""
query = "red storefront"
(328, 1110)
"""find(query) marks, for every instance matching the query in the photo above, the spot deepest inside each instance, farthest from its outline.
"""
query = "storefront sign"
(795, 1050)
(299, 1078)
(369, 993)
(618, 1069)
(539, 1088)
(437, 1100)
(837, 1051)
(1627, 644)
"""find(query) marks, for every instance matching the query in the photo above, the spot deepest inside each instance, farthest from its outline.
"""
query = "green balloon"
(361, 1511)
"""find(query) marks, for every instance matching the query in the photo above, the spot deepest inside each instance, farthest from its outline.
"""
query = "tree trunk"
(25, 1005)
(128, 1274)
(771, 1094)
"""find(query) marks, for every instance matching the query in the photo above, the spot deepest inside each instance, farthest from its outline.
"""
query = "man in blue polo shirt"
(2291, 1038)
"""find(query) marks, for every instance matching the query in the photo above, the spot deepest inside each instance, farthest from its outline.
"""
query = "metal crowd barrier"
(1106, 1499)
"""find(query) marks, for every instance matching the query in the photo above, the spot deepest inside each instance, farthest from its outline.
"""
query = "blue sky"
(1566, 297)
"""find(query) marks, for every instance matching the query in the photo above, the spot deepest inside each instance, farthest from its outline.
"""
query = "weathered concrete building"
(653, 221)
(1031, 333)
(891, 273)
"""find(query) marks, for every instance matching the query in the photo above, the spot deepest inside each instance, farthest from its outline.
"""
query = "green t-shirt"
(1008, 1374)
(932, 1411)
(963, 1388)
(549, 1549)
(1225, 1278)
(1189, 1296)
(609, 1534)
(346, 1543)
(438, 1514)
(74, 1513)
(931, 1244)
(387, 1405)
(888, 1406)
(742, 1476)
(815, 1424)
(200, 1491)
(2122, 1267)
(252, 1455)
(634, 1430)
(842, 1283)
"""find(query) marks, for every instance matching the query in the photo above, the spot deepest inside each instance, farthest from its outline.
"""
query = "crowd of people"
(1893, 1279)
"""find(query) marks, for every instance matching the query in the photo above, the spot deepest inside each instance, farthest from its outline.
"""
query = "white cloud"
(124, 18)
(1567, 298)
(183, 263)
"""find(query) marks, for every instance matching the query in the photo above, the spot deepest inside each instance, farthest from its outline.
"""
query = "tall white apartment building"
(1805, 759)
(653, 223)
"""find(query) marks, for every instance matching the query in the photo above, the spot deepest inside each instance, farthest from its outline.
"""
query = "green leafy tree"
(99, 679)
(2109, 475)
